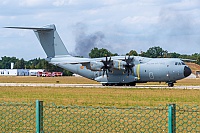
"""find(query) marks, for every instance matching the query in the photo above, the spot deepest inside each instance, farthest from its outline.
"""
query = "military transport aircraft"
(115, 70)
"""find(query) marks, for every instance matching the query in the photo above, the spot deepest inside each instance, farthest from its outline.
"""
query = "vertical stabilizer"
(49, 39)
(51, 42)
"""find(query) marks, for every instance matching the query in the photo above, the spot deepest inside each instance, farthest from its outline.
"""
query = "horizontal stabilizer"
(35, 28)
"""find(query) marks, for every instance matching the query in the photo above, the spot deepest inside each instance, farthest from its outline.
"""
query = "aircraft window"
(179, 63)
(176, 63)
(183, 63)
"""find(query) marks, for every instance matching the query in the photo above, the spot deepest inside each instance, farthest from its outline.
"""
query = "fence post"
(39, 116)
(172, 118)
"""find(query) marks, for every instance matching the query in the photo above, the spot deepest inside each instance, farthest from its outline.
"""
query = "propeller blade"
(128, 72)
(108, 63)
(103, 72)
(106, 73)
(129, 65)
(131, 71)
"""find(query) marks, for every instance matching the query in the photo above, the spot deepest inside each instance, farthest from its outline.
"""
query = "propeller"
(107, 66)
(129, 65)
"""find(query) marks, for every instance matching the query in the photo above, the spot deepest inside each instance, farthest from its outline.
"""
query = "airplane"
(110, 71)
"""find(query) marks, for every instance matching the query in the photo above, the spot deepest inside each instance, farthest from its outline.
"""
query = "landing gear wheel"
(119, 84)
(105, 84)
(171, 84)
(132, 84)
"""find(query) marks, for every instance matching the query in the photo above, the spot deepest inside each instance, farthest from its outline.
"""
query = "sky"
(116, 25)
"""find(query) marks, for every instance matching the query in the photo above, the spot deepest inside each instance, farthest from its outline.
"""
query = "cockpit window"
(179, 63)
(183, 63)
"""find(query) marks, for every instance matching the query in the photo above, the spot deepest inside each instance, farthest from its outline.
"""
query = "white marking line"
(96, 85)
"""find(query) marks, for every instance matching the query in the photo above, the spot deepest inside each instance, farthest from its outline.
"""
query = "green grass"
(83, 119)
(78, 118)
(119, 97)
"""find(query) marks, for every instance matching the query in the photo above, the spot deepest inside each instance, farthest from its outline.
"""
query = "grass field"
(61, 119)
(119, 97)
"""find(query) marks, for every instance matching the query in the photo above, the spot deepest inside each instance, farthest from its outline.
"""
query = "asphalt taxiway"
(96, 86)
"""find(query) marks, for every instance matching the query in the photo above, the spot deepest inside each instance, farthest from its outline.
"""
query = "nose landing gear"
(171, 84)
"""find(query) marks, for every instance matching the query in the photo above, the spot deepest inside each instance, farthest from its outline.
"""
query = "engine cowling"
(96, 66)
(118, 64)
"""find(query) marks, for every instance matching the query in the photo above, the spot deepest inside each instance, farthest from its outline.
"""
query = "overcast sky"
(117, 25)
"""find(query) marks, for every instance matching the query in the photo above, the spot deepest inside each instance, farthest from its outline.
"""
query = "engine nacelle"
(96, 66)
(118, 64)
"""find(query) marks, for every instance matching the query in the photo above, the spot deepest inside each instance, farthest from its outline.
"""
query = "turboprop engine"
(96, 66)
(126, 65)
(105, 65)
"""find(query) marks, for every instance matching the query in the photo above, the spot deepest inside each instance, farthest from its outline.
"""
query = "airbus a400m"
(116, 70)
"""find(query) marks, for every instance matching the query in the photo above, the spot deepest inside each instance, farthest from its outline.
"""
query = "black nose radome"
(187, 71)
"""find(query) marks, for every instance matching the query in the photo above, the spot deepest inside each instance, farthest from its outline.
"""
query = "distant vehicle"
(56, 74)
(46, 74)
(116, 70)
(49, 74)
(34, 72)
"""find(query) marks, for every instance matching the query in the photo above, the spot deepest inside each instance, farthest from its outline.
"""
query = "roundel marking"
(81, 67)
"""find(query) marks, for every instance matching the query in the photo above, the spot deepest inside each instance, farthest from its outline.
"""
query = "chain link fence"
(103, 120)
(43, 117)
(188, 119)
(17, 117)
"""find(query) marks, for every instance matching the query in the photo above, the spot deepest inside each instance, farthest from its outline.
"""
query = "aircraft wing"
(77, 60)
(188, 60)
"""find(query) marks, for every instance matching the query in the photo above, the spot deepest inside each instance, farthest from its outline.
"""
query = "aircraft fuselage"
(167, 70)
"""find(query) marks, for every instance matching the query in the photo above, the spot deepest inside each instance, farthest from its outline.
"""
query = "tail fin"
(49, 39)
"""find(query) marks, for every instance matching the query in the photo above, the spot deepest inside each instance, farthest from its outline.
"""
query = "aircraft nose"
(187, 71)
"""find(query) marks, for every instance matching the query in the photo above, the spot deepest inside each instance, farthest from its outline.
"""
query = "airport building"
(34, 72)
(20, 72)
(14, 72)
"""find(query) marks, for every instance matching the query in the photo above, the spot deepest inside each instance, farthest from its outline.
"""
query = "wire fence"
(17, 117)
(43, 117)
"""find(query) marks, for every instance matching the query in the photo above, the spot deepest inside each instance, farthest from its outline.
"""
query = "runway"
(97, 86)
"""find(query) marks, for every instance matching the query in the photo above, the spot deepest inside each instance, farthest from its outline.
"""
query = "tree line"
(37, 63)
(153, 52)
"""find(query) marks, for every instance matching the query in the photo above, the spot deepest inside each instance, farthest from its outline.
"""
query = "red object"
(46, 74)
(49, 74)
(39, 74)
(56, 74)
